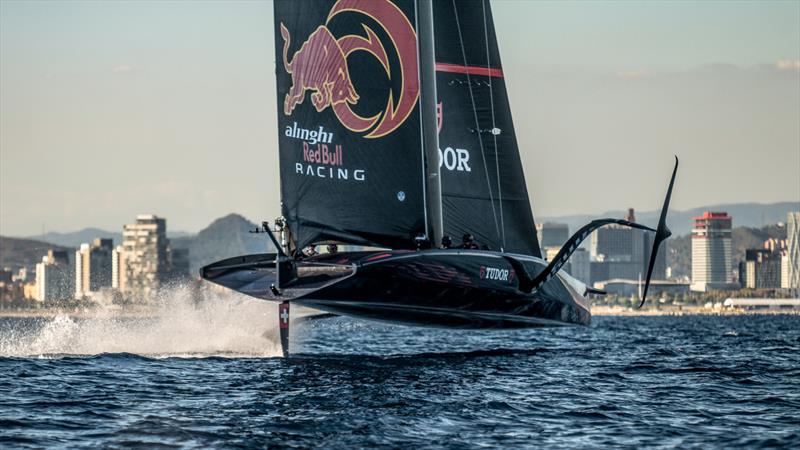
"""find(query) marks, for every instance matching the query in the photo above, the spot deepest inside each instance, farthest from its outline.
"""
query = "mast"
(430, 133)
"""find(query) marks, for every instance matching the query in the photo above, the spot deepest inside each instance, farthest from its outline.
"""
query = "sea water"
(208, 375)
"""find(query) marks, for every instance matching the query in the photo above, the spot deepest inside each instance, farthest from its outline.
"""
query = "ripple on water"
(624, 382)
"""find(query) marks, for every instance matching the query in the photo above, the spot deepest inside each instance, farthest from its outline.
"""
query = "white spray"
(181, 322)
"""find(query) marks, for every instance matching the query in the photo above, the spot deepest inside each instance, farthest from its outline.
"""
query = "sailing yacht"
(395, 135)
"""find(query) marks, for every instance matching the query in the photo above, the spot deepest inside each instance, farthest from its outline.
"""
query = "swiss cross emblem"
(283, 315)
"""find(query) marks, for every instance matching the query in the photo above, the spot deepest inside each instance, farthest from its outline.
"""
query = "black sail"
(351, 159)
(483, 184)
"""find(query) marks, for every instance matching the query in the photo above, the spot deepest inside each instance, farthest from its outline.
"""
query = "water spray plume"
(181, 322)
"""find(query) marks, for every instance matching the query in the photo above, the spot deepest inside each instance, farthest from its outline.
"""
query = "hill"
(17, 252)
(225, 237)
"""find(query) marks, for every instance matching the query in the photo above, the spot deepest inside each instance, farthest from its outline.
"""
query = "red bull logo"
(320, 67)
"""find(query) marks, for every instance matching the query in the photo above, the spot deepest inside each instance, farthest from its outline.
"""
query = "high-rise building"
(762, 269)
(145, 261)
(785, 269)
(93, 267)
(552, 234)
(792, 251)
(118, 269)
(580, 265)
(54, 279)
(711, 252)
(620, 252)
(615, 243)
(144, 255)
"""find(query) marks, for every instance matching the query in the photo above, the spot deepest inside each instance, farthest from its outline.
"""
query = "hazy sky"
(111, 109)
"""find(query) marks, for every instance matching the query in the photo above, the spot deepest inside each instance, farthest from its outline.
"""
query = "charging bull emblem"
(320, 67)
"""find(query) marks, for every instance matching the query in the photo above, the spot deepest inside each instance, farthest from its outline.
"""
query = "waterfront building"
(145, 257)
(30, 291)
(145, 261)
(581, 267)
(620, 252)
(93, 267)
(552, 234)
(762, 303)
(10, 293)
(118, 269)
(792, 251)
(9, 290)
(23, 274)
(615, 243)
(762, 269)
(54, 279)
(711, 252)
(551, 252)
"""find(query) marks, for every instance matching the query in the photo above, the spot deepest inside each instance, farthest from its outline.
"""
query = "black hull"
(433, 288)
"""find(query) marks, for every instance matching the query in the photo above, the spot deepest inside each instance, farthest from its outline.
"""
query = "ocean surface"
(198, 377)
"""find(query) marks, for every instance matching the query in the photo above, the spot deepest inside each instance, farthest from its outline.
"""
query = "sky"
(112, 109)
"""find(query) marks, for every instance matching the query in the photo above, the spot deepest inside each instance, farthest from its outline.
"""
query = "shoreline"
(689, 311)
(598, 311)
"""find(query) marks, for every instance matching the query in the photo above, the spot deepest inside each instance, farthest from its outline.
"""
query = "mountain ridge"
(750, 214)
(86, 236)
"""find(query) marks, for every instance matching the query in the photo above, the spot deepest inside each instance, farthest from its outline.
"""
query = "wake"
(179, 322)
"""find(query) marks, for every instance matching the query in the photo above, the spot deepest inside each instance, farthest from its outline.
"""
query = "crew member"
(421, 241)
(333, 248)
(468, 241)
(446, 241)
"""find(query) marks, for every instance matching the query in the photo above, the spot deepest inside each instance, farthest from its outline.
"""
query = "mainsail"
(483, 184)
(351, 158)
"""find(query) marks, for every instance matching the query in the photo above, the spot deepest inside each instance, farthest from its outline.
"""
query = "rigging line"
(477, 124)
(422, 134)
(494, 127)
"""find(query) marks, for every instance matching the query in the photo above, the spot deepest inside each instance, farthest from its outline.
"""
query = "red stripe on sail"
(472, 70)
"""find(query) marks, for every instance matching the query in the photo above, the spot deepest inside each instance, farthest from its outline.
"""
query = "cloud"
(123, 68)
(788, 64)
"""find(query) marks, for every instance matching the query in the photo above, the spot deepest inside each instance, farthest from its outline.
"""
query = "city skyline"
(110, 110)
(145, 261)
